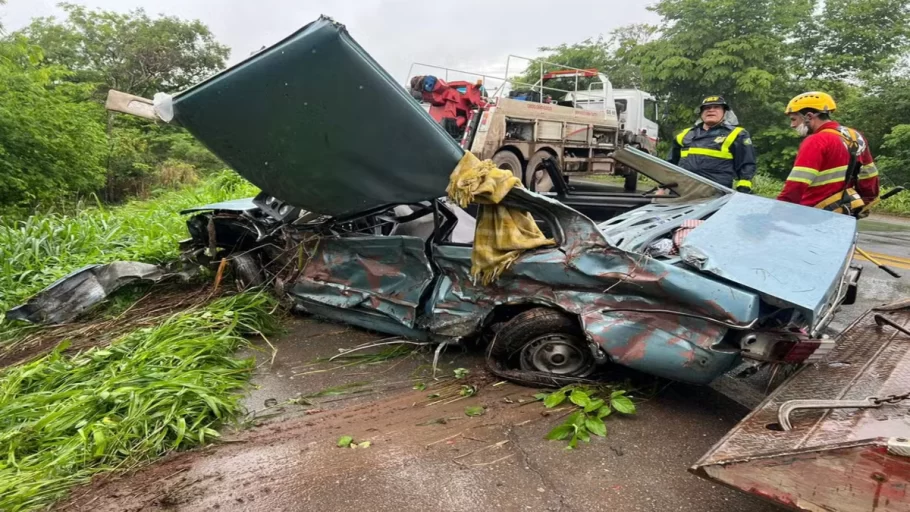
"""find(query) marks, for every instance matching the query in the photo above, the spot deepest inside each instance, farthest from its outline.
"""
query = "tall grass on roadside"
(66, 418)
(37, 250)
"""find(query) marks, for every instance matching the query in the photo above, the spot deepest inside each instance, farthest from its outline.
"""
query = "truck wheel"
(508, 161)
(544, 340)
(538, 179)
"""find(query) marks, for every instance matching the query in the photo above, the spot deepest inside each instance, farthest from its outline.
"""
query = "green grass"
(66, 418)
(37, 250)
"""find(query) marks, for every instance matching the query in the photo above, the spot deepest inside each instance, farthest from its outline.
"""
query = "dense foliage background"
(57, 142)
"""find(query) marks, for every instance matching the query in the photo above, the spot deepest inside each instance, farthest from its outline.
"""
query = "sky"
(471, 35)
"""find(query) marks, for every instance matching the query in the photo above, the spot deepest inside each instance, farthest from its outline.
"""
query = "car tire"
(537, 179)
(546, 341)
(508, 161)
(247, 273)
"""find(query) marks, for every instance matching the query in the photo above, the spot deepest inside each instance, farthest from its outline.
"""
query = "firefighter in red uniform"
(821, 176)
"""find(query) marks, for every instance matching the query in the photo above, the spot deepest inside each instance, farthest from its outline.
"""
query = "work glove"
(744, 186)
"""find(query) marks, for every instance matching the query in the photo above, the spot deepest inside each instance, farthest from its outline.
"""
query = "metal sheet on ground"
(832, 459)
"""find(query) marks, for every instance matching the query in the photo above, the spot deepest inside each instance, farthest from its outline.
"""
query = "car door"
(458, 303)
(374, 282)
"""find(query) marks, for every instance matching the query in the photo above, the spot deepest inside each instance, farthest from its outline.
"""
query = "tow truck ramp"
(835, 436)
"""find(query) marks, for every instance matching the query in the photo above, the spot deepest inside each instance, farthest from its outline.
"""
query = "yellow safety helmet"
(821, 101)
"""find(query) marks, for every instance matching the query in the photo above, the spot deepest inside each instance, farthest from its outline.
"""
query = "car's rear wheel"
(544, 340)
(508, 161)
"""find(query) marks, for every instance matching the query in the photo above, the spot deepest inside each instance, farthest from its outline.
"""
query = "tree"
(849, 38)
(51, 138)
(140, 55)
(760, 53)
(128, 52)
(895, 163)
(606, 55)
(729, 47)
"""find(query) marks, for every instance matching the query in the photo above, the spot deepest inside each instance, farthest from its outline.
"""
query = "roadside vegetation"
(592, 405)
(37, 250)
(758, 55)
(65, 418)
(165, 385)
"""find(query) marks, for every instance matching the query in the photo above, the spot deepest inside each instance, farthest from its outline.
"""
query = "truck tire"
(544, 340)
(537, 177)
(508, 161)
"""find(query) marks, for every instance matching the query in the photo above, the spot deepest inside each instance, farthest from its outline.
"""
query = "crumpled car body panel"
(781, 250)
(79, 291)
(661, 318)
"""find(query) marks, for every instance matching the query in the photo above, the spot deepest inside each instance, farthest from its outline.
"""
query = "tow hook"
(881, 320)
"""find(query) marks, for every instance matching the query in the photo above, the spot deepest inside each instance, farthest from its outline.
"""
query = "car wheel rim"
(555, 353)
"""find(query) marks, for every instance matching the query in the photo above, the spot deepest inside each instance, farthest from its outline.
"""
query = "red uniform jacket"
(821, 167)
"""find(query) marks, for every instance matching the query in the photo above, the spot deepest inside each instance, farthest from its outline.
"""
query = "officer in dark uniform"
(716, 149)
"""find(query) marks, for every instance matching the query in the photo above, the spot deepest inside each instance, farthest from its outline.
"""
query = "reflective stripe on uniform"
(728, 142)
(815, 178)
(868, 171)
(682, 135)
(829, 176)
(723, 153)
(802, 175)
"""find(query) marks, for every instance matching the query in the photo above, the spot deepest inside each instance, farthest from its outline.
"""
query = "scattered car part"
(73, 294)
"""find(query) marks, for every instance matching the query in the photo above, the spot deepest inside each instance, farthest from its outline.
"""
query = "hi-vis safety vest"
(723, 153)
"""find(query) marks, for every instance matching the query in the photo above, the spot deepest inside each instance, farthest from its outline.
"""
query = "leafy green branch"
(592, 410)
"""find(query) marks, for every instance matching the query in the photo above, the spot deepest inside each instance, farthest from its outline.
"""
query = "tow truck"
(519, 125)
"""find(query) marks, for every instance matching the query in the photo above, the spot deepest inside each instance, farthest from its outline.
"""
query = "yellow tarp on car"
(502, 232)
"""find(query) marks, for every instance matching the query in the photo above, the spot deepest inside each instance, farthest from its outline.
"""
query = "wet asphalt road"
(427, 455)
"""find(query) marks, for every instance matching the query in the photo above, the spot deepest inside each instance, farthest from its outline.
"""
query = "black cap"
(714, 100)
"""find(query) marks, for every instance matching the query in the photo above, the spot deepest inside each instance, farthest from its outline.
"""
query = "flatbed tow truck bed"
(832, 458)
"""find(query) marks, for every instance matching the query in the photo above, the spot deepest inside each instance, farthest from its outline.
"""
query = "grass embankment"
(66, 418)
(165, 386)
(37, 250)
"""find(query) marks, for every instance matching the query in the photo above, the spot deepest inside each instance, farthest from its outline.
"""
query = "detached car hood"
(791, 254)
(315, 121)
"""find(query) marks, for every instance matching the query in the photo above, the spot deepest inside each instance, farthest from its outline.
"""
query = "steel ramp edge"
(833, 460)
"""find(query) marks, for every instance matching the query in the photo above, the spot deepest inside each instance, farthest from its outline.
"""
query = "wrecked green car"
(353, 225)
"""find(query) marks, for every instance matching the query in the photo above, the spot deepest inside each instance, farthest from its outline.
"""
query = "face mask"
(803, 128)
